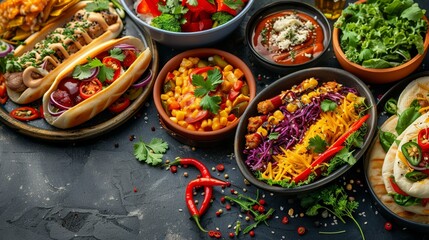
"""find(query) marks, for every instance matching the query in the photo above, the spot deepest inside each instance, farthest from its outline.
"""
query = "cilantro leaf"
(152, 152)
(97, 6)
(204, 87)
(328, 105)
(82, 72)
(234, 4)
(117, 53)
(317, 144)
(105, 73)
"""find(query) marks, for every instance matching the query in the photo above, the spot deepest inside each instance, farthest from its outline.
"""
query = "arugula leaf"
(97, 6)
(317, 144)
(117, 53)
(328, 105)
(204, 87)
(152, 152)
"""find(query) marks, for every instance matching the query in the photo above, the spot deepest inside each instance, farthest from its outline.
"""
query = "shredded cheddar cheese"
(330, 127)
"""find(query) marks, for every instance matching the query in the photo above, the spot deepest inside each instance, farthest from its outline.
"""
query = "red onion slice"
(57, 104)
(5, 48)
(146, 79)
(125, 46)
(54, 113)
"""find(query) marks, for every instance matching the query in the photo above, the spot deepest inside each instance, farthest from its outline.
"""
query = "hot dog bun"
(33, 88)
(90, 107)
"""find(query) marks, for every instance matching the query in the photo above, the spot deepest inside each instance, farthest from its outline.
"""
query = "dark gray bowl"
(279, 6)
(324, 74)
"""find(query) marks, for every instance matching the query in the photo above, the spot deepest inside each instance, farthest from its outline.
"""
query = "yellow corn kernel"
(194, 60)
(177, 89)
(223, 121)
(223, 113)
(164, 96)
(182, 123)
(171, 100)
(351, 97)
(225, 86)
(312, 94)
(238, 73)
(176, 73)
(191, 127)
(291, 107)
(180, 115)
(231, 77)
(216, 124)
(228, 103)
(204, 124)
(228, 68)
(305, 99)
(273, 120)
(174, 119)
(186, 63)
(278, 115)
(170, 93)
(313, 83)
(262, 131)
(179, 81)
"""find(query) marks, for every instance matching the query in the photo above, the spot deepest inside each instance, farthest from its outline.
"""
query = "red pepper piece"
(396, 188)
(202, 5)
(319, 160)
(25, 113)
(149, 7)
(119, 105)
(423, 139)
(233, 10)
(205, 173)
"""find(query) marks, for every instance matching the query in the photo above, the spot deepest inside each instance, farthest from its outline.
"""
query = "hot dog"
(75, 97)
(36, 63)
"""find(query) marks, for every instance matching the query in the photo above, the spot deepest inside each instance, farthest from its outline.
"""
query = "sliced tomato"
(200, 116)
(238, 85)
(119, 105)
(233, 95)
(89, 88)
(25, 113)
(114, 64)
(130, 57)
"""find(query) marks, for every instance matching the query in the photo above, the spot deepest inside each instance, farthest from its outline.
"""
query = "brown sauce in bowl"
(288, 38)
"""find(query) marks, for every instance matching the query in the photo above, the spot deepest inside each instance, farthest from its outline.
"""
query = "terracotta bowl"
(190, 137)
(378, 76)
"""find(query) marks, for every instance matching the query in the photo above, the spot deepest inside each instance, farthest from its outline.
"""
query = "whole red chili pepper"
(189, 196)
(353, 128)
(208, 191)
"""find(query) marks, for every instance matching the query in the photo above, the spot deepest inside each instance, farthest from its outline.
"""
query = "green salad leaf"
(382, 33)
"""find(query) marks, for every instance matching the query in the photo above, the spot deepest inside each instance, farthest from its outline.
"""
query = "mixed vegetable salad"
(382, 33)
(305, 132)
(188, 15)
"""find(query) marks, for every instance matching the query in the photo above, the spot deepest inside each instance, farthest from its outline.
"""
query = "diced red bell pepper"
(149, 6)
(232, 9)
(396, 188)
(203, 5)
(197, 21)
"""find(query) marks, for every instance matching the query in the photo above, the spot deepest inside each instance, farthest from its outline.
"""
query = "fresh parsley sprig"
(334, 199)
(204, 87)
(152, 152)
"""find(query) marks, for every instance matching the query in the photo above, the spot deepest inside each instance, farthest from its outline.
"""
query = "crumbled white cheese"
(289, 31)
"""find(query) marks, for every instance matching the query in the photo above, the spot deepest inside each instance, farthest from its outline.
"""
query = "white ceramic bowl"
(186, 40)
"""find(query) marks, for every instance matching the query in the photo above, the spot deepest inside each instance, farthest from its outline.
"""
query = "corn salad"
(184, 108)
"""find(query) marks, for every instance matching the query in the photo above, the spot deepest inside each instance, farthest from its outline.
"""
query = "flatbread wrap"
(94, 81)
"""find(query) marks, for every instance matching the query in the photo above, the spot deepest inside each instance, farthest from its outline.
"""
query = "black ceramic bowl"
(323, 74)
(275, 8)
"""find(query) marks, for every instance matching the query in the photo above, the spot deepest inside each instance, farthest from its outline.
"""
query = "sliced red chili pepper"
(233, 95)
(200, 70)
(423, 139)
(114, 64)
(89, 88)
(120, 105)
(25, 113)
(395, 187)
(149, 6)
(130, 57)
(200, 116)
(325, 156)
